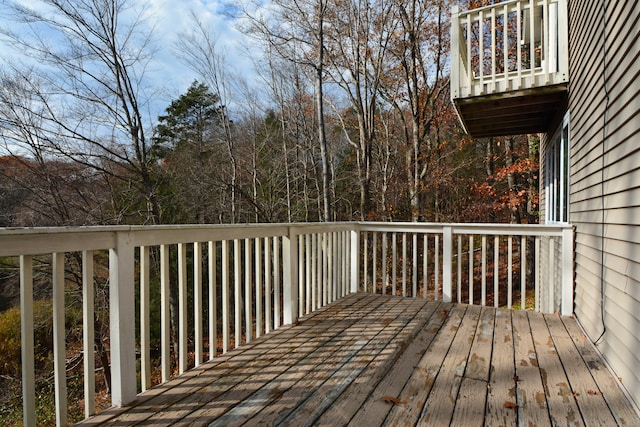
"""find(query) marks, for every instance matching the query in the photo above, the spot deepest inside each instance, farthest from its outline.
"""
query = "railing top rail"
(501, 5)
(463, 228)
(34, 241)
(321, 227)
(42, 240)
(110, 228)
(124, 228)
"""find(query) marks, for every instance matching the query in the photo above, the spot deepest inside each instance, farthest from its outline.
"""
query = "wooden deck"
(370, 360)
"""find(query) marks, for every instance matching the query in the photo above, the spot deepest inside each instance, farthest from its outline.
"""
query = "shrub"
(10, 343)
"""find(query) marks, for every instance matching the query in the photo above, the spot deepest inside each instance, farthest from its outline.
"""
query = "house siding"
(605, 178)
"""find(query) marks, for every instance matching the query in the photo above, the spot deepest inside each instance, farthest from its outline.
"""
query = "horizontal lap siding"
(605, 177)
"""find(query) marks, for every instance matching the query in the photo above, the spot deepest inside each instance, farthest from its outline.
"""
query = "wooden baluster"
(225, 296)
(197, 302)
(496, 271)
(27, 345)
(248, 300)
(145, 346)
(268, 313)
(182, 308)
(213, 303)
(88, 319)
(165, 319)
(259, 290)
(484, 271)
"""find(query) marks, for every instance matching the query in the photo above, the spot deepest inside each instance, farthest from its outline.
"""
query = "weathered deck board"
(502, 386)
(531, 399)
(380, 360)
(352, 399)
(319, 375)
(414, 395)
(620, 406)
(479, 363)
(205, 405)
(469, 404)
(562, 405)
(442, 399)
(375, 409)
(472, 397)
(375, 336)
(585, 390)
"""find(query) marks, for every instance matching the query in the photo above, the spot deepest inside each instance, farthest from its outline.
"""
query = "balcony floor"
(373, 360)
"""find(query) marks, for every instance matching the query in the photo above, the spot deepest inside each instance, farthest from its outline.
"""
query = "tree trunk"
(489, 158)
(234, 169)
(489, 165)
(104, 359)
(532, 183)
(285, 156)
(532, 142)
(511, 181)
(322, 138)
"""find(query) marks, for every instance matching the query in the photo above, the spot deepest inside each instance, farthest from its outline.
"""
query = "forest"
(346, 116)
(351, 120)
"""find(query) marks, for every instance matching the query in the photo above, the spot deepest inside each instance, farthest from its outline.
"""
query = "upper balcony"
(510, 66)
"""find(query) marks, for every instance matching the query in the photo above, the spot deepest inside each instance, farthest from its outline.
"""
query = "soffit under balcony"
(512, 113)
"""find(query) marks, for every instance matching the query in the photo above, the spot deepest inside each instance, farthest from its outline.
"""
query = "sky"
(173, 17)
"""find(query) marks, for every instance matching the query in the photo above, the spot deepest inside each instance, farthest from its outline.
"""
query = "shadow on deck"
(373, 360)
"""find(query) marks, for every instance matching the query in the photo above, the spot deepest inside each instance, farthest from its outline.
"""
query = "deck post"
(563, 39)
(290, 275)
(355, 258)
(122, 319)
(567, 272)
(447, 237)
(454, 51)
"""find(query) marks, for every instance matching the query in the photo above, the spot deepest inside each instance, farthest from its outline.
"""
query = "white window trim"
(557, 184)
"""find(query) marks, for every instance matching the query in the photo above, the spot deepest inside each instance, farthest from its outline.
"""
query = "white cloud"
(173, 17)
(168, 77)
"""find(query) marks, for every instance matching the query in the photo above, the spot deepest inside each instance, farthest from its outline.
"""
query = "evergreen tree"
(191, 119)
(186, 141)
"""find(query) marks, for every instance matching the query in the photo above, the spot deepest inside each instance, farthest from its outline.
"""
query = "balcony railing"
(259, 277)
(508, 46)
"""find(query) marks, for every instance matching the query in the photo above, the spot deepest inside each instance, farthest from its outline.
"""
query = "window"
(557, 175)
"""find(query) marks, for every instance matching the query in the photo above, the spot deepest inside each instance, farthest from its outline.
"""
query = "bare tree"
(416, 83)
(87, 84)
(52, 190)
(296, 31)
(277, 83)
(197, 49)
(292, 95)
(358, 40)
(384, 161)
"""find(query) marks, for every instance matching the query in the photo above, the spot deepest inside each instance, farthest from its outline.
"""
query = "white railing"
(259, 277)
(528, 266)
(509, 46)
(247, 273)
